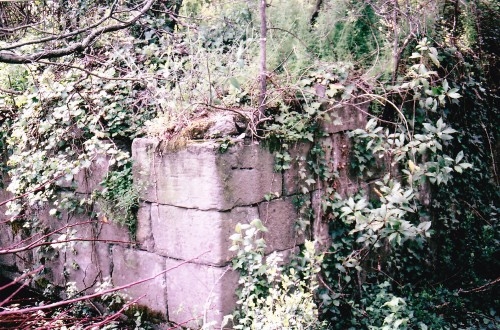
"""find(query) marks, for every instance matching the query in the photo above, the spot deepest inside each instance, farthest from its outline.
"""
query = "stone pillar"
(192, 200)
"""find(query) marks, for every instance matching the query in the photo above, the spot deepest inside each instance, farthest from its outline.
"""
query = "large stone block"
(198, 294)
(87, 263)
(202, 178)
(130, 266)
(187, 233)
(344, 118)
(280, 216)
(113, 232)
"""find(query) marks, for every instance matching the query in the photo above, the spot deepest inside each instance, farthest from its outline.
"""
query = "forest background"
(419, 250)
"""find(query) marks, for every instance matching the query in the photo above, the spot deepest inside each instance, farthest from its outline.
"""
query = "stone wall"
(191, 201)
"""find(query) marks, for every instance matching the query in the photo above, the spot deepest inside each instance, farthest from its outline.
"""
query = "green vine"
(119, 198)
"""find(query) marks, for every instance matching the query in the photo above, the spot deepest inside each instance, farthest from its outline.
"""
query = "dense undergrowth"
(418, 249)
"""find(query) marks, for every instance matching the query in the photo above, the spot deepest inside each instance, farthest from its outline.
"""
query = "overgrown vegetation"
(119, 199)
(272, 297)
(418, 248)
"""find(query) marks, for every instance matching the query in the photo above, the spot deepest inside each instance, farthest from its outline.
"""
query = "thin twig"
(87, 71)
(481, 288)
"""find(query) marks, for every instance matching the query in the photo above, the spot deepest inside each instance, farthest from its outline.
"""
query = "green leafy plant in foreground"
(273, 296)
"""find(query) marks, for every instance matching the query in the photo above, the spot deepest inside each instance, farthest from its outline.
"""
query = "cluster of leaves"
(119, 198)
(272, 296)
(434, 211)
(383, 239)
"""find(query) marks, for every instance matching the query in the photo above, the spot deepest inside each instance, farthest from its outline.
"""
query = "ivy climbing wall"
(190, 202)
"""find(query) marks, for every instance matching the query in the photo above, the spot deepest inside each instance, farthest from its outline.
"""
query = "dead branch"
(7, 56)
(263, 69)
(481, 288)
(97, 294)
(69, 240)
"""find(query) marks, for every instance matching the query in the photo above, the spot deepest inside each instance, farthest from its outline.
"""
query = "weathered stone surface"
(113, 232)
(202, 178)
(279, 216)
(88, 263)
(130, 266)
(82, 262)
(337, 155)
(198, 293)
(223, 125)
(144, 233)
(336, 148)
(54, 268)
(344, 118)
(4, 196)
(88, 180)
(7, 237)
(192, 200)
(187, 233)
(144, 155)
(6, 234)
(7, 241)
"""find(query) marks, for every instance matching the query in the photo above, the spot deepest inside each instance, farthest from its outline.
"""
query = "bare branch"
(13, 58)
(97, 294)
(10, 91)
(60, 36)
(263, 69)
(19, 278)
(32, 246)
(482, 287)
(90, 73)
(17, 28)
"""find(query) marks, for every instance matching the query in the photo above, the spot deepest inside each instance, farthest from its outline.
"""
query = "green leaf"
(466, 165)
(235, 83)
(453, 93)
(415, 55)
(258, 225)
(310, 181)
(434, 60)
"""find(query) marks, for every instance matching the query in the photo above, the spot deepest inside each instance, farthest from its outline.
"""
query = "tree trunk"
(263, 70)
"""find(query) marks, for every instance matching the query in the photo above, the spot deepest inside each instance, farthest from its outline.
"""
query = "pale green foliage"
(212, 64)
(66, 121)
(290, 35)
(119, 198)
(392, 310)
(271, 296)
(388, 221)
(418, 156)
